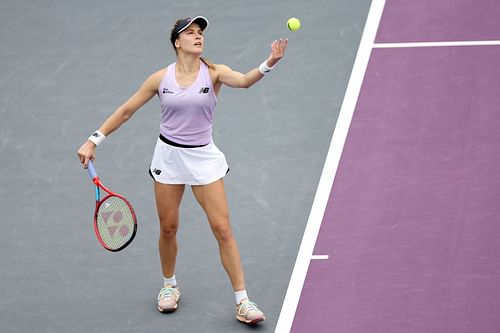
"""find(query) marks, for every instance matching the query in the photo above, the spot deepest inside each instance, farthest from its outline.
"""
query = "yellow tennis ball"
(293, 24)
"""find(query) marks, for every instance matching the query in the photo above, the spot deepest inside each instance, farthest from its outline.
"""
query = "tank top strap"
(166, 81)
(170, 77)
(205, 75)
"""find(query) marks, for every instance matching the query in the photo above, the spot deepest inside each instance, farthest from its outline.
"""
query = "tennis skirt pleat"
(190, 166)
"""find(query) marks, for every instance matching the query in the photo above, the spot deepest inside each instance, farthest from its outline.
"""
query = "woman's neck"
(187, 64)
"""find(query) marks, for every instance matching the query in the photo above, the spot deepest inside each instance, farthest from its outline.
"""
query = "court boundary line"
(320, 257)
(329, 172)
(436, 44)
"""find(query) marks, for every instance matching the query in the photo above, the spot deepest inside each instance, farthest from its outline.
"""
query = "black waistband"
(175, 144)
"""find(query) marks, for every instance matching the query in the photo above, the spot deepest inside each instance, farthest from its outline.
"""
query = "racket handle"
(91, 170)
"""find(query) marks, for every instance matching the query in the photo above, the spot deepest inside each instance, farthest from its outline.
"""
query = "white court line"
(299, 273)
(320, 257)
(436, 44)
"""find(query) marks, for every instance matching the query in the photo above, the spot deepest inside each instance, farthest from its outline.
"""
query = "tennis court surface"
(364, 169)
(408, 239)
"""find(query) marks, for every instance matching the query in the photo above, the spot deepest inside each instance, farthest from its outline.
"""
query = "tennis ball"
(293, 24)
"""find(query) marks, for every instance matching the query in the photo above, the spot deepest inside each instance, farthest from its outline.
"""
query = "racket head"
(115, 222)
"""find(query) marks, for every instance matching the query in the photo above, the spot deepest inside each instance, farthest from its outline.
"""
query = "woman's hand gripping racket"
(115, 223)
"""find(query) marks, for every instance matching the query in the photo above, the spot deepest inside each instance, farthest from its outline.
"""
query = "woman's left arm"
(238, 80)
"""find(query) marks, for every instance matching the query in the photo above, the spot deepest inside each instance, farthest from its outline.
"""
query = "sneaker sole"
(167, 310)
(250, 322)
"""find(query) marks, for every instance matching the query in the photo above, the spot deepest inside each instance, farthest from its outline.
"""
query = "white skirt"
(190, 166)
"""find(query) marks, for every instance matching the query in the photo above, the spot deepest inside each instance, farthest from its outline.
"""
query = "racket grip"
(91, 170)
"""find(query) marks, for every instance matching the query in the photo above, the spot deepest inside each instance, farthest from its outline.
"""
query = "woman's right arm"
(148, 89)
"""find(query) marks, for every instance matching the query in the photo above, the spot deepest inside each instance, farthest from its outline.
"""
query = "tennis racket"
(115, 223)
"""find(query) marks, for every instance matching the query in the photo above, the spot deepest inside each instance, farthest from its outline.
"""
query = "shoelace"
(248, 306)
(166, 292)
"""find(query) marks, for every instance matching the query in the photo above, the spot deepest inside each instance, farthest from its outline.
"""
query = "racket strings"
(115, 222)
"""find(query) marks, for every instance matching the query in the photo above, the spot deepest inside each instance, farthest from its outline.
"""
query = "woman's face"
(191, 40)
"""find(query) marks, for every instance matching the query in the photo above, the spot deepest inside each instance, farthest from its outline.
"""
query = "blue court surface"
(364, 169)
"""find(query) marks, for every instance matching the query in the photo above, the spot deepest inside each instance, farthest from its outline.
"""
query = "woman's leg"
(168, 199)
(212, 198)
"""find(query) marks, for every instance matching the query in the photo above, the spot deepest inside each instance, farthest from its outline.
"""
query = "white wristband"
(97, 137)
(264, 68)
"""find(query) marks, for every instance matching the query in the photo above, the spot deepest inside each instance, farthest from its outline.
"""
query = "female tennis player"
(185, 153)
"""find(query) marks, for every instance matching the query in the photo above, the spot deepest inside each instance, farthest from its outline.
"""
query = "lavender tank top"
(187, 113)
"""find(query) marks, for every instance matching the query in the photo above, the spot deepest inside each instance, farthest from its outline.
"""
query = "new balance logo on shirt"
(166, 91)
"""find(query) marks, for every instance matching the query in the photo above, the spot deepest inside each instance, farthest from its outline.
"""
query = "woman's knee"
(223, 233)
(168, 229)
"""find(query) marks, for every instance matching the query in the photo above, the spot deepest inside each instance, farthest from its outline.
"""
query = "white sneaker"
(168, 298)
(247, 312)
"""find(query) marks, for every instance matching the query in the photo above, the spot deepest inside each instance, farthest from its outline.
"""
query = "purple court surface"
(443, 20)
(412, 222)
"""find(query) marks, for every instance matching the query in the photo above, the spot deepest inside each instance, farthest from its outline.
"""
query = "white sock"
(170, 281)
(240, 296)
